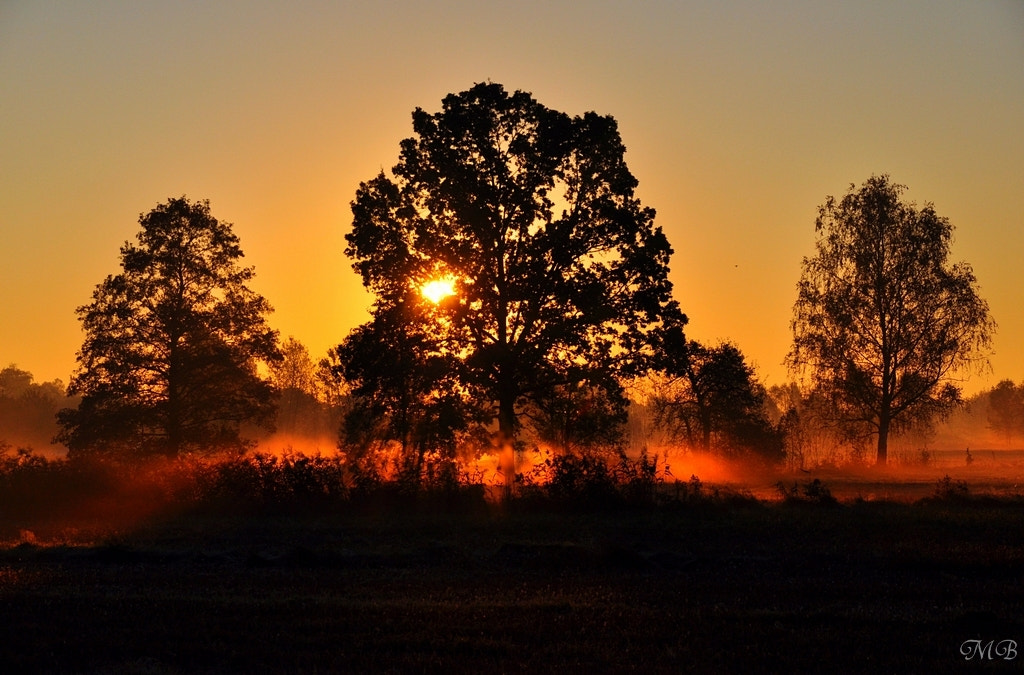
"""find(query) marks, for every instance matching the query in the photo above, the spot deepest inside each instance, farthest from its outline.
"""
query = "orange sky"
(739, 119)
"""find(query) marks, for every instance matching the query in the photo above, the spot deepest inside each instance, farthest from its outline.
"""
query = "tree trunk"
(705, 439)
(506, 390)
(174, 416)
(506, 435)
(883, 441)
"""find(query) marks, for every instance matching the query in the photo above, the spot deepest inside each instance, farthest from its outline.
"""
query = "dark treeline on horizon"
(307, 410)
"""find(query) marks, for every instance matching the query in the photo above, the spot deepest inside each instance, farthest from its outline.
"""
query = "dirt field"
(725, 585)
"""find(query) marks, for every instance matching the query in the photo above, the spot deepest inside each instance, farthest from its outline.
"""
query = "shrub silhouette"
(583, 479)
(950, 490)
(811, 492)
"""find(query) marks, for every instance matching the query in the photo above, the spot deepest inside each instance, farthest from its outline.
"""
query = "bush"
(80, 490)
(581, 479)
(293, 482)
(812, 492)
(949, 490)
(638, 479)
(693, 491)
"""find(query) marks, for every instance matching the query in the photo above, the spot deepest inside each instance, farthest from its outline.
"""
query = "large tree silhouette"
(560, 275)
(882, 320)
(172, 343)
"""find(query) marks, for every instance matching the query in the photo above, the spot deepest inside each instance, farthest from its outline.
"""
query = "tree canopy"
(309, 400)
(558, 274)
(1006, 409)
(27, 408)
(711, 398)
(883, 321)
(406, 391)
(172, 343)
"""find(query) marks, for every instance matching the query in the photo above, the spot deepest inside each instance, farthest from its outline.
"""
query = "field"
(895, 577)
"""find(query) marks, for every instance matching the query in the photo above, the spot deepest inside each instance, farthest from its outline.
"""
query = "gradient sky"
(739, 119)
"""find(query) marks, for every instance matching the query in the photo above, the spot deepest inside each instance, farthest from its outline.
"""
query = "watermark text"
(988, 650)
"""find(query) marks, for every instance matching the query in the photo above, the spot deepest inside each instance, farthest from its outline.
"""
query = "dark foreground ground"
(861, 587)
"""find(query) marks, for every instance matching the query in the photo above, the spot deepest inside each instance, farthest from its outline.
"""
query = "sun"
(437, 290)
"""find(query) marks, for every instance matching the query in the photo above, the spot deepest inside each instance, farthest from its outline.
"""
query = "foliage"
(806, 422)
(560, 276)
(950, 490)
(581, 417)
(332, 388)
(638, 479)
(172, 344)
(33, 487)
(1006, 409)
(583, 479)
(712, 399)
(28, 408)
(310, 401)
(295, 369)
(589, 479)
(811, 492)
(293, 482)
(405, 392)
(882, 320)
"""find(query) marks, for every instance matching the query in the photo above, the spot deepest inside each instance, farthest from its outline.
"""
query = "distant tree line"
(28, 408)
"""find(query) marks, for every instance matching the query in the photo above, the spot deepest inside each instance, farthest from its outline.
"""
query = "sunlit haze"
(739, 119)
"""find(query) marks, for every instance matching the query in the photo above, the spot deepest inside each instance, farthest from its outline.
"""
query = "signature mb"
(993, 650)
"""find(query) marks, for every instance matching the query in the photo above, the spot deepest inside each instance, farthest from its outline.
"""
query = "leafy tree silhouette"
(27, 408)
(309, 403)
(559, 273)
(172, 343)
(1006, 409)
(711, 397)
(406, 390)
(882, 320)
(579, 417)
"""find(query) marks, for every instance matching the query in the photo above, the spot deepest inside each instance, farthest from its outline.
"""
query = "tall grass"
(51, 494)
(35, 489)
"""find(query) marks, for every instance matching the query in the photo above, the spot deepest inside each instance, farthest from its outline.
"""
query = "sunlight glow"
(438, 289)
